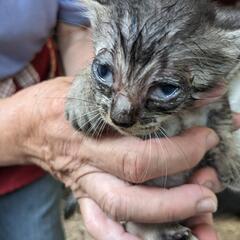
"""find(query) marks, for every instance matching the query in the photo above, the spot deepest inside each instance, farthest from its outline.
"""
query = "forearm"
(75, 44)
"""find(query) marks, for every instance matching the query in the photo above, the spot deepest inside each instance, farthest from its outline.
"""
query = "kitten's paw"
(160, 232)
(225, 158)
(180, 233)
(229, 173)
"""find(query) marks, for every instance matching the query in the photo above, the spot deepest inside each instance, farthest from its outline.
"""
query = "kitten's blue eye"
(164, 97)
(164, 92)
(169, 90)
(103, 74)
(103, 71)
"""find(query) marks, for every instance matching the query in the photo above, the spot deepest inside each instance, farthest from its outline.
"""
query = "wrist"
(10, 150)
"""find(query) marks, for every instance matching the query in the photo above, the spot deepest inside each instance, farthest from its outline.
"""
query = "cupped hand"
(98, 171)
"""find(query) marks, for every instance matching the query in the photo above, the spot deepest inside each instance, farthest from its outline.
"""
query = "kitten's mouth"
(139, 131)
(146, 132)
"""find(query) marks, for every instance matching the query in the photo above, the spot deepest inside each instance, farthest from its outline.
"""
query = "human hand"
(94, 168)
(103, 227)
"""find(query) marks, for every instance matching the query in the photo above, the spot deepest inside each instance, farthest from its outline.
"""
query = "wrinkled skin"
(39, 134)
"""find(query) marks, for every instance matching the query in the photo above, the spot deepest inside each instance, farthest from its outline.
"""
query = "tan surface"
(75, 230)
(228, 228)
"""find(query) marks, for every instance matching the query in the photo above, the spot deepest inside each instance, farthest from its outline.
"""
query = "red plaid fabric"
(44, 66)
(24, 79)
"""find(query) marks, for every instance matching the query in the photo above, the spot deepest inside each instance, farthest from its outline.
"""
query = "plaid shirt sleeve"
(23, 79)
(32, 73)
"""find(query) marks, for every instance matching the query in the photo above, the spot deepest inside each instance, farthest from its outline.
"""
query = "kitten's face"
(152, 56)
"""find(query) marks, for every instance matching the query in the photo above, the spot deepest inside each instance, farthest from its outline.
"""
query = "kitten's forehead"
(152, 39)
(129, 18)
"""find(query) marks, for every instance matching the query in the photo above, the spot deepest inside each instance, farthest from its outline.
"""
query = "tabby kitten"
(154, 59)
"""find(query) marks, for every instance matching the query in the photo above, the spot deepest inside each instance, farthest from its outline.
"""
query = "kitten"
(154, 59)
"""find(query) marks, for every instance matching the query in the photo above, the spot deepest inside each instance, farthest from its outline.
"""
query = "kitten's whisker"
(92, 128)
(165, 175)
(90, 119)
(145, 173)
(95, 127)
(181, 151)
(86, 114)
(80, 99)
(101, 129)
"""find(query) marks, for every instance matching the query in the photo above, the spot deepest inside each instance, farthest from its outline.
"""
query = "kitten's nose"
(122, 112)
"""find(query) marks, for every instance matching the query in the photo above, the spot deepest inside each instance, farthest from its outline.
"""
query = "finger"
(202, 227)
(137, 161)
(205, 232)
(99, 225)
(207, 177)
(236, 120)
(206, 219)
(147, 204)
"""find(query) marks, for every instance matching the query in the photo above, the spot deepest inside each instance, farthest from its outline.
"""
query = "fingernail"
(206, 205)
(212, 140)
(213, 187)
(209, 185)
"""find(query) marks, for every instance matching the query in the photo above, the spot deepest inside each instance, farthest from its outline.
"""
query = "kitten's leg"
(160, 231)
(226, 156)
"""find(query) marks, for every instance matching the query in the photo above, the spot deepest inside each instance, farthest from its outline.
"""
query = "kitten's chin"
(139, 131)
(145, 133)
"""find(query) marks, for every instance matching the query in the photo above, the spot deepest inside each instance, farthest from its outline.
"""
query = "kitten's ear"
(96, 9)
(96, 3)
(104, 2)
(227, 17)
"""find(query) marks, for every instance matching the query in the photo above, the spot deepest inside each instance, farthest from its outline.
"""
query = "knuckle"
(110, 203)
(47, 153)
(114, 205)
(133, 167)
(170, 215)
